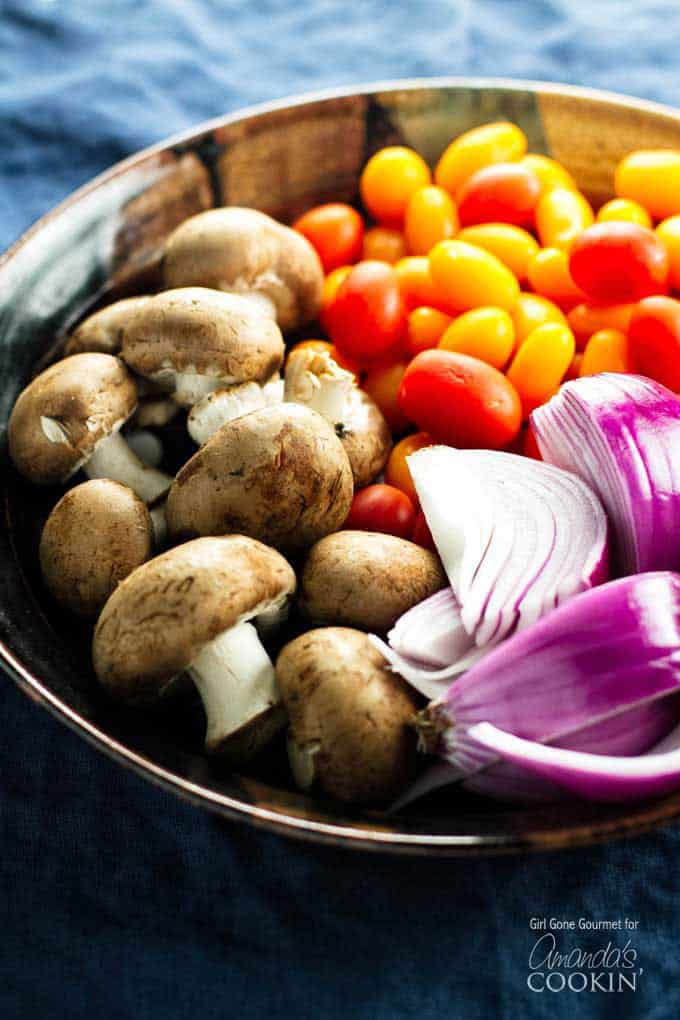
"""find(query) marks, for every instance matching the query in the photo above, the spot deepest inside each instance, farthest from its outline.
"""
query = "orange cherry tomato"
(421, 533)
(431, 216)
(541, 363)
(668, 232)
(561, 215)
(503, 192)
(388, 181)
(425, 329)
(500, 142)
(384, 244)
(415, 282)
(549, 172)
(382, 508)
(624, 209)
(484, 333)
(397, 471)
(328, 348)
(465, 276)
(330, 289)
(618, 262)
(652, 178)
(654, 338)
(336, 231)
(382, 384)
(367, 318)
(530, 311)
(549, 276)
(585, 319)
(606, 351)
(460, 400)
(574, 370)
(514, 246)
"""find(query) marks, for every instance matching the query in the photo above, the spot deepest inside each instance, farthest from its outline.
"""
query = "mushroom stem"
(236, 681)
(223, 405)
(315, 379)
(160, 525)
(301, 761)
(190, 387)
(112, 458)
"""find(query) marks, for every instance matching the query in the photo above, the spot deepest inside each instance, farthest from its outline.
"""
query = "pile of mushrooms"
(192, 573)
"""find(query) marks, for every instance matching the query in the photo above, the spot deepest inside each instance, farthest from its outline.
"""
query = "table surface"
(118, 900)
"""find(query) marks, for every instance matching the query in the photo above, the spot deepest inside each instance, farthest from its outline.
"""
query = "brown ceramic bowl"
(105, 241)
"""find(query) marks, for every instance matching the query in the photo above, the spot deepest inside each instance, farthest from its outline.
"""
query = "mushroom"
(350, 717)
(69, 417)
(103, 330)
(247, 252)
(279, 474)
(315, 379)
(366, 579)
(221, 406)
(195, 340)
(193, 609)
(95, 536)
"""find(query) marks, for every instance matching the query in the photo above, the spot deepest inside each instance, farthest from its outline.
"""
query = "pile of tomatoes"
(482, 287)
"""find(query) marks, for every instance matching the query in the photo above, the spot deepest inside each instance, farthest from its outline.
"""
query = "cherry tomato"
(668, 233)
(421, 533)
(397, 471)
(388, 181)
(654, 338)
(367, 317)
(384, 244)
(574, 370)
(530, 311)
(549, 275)
(415, 282)
(460, 400)
(541, 363)
(607, 350)
(616, 262)
(561, 215)
(333, 352)
(499, 142)
(426, 327)
(484, 333)
(530, 446)
(431, 217)
(503, 192)
(337, 232)
(512, 245)
(624, 209)
(549, 172)
(465, 276)
(585, 319)
(382, 508)
(652, 178)
(382, 384)
(330, 289)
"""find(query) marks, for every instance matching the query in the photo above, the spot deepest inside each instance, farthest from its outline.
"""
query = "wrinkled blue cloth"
(118, 900)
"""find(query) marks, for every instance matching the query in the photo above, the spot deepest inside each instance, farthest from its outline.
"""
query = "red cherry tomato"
(530, 445)
(616, 262)
(336, 231)
(382, 508)
(502, 192)
(460, 400)
(654, 340)
(368, 317)
(422, 534)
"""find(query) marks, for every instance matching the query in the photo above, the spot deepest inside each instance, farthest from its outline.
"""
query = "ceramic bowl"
(105, 241)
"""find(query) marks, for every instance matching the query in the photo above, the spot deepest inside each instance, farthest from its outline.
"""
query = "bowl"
(104, 242)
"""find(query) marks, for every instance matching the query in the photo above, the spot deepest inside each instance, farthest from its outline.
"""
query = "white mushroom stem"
(236, 681)
(146, 445)
(113, 458)
(315, 379)
(189, 387)
(156, 413)
(215, 410)
(301, 761)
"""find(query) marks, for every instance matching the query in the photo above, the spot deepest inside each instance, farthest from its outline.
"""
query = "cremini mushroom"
(70, 416)
(194, 340)
(193, 609)
(103, 330)
(279, 474)
(350, 717)
(366, 579)
(249, 253)
(96, 535)
(315, 379)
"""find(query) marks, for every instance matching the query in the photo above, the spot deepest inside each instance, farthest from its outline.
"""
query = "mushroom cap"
(96, 535)
(203, 331)
(158, 619)
(244, 250)
(345, 704)
(103, 330)
(79, 400)
(366, 438)
(279, 474)
(367, 580)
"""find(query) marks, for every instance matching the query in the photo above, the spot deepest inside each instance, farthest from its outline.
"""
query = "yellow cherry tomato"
(466, 277)
(624, 209)
(606, 351)
(388, 181)
(541, 363)
(331, 285)
(484, 333)
(382, 383)
(652, 178)
(561, 215)
(328, 348)
(512, 245)
(532, 310)
(500, 142)
(397, 471)
(549, 275)
(431, 216)
(415, 281)
(550, 173)
(384, 244)
(426, 327)
(586, 319)
(668, 232)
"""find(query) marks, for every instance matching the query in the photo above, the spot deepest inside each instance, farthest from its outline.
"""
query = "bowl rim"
(648, 815)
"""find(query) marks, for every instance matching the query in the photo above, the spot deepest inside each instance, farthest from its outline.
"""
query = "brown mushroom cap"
(366, 579)
(367, 439)
(158, 619)
(81, 399)
(279, 474)
(103, 330)
(96, 535)
(203, 331)
(247, 251)
(355, 715)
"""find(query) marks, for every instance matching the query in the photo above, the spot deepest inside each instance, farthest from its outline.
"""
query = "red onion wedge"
(595, 675)
(621, 435)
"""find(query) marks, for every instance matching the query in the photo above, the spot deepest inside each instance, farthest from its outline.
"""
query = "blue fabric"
(119, 901)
